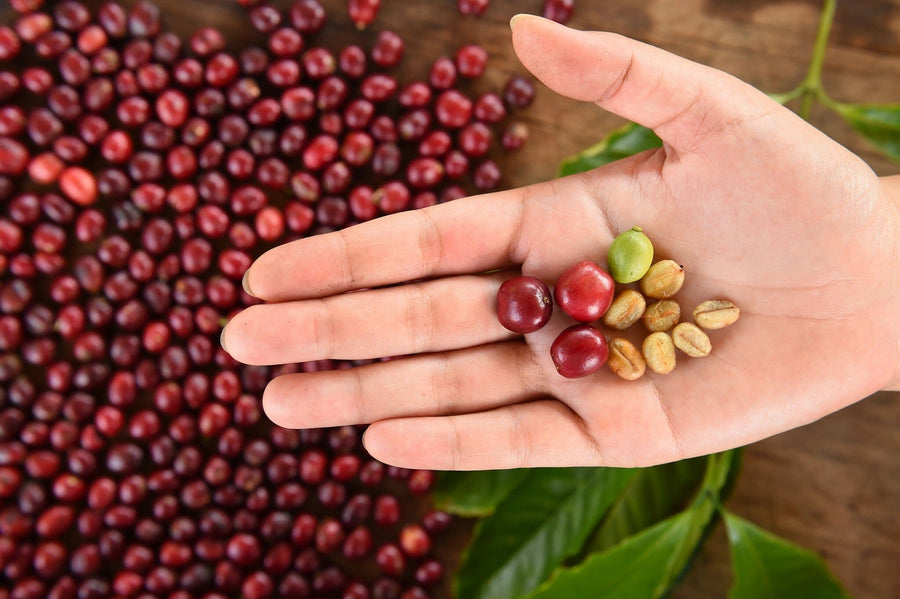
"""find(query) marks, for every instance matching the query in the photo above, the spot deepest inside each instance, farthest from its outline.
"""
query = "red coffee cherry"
(579, 351)
(524, 304)
(584, 291)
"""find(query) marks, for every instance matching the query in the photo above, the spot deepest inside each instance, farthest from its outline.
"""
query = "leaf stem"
(812, 84)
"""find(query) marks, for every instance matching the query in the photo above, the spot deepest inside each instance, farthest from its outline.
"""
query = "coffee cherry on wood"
(579, 351)
(243, 549)
(558, 10)
(363, 12)
(518, 92)
(78, 185)
(524, 304)
(13, 157)
(471, 60)
(414, 541)
(472, 7)
(429, 572)
(358, 543)
(390, 560)
(584, 291)
(227, 130)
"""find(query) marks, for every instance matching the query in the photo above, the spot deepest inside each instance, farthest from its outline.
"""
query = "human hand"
(759, 207)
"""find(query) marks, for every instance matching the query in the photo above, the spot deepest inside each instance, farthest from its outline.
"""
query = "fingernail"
(245, 283)
(518, 17)
(222, 338)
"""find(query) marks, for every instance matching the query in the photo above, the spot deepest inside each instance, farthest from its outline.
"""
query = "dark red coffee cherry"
(584, 291)
(524, 304)
(579, 351)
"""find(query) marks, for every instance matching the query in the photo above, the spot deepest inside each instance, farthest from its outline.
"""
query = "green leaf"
(620, 143)
(767, 567)
(545, 520)
(878, 123)
(476, 493)
(645, 566)
(735, 461)
(721, 471)
(652, 495)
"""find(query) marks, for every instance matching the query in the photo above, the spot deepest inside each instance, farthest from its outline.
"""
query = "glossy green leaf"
(651, 496)
(878, 123)
(545, 520)
(767, 567)
(644, 566)
(620, 143)
(721, 472)
(475, 493)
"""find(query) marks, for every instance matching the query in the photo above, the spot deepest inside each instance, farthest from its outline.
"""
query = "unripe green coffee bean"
(630, 255)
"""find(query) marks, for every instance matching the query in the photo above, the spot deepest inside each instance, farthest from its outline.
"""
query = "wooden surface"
(833, 486)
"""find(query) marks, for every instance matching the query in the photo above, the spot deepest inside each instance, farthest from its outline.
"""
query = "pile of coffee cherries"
(556, 10)
(586, 293)
(140, 174)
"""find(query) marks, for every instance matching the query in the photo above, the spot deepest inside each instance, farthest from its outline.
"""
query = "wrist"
(891, 188)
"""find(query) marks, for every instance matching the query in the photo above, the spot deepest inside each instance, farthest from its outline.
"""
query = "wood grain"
(832, 486)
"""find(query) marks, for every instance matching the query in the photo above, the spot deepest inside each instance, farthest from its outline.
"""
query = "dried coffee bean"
(625, 310)
(626, 360)
(663, 280)
(662, 315)
(716, 314)
(691, 339)
(659, 353)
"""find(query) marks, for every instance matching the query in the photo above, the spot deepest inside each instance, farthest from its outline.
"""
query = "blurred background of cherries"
(140, 174)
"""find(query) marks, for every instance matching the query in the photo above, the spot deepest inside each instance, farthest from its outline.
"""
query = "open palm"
(759, 207)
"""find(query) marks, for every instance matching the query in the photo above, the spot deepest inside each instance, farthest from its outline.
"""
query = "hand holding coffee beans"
(587, 293)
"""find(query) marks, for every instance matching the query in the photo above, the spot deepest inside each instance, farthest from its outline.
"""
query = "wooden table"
(833, 486)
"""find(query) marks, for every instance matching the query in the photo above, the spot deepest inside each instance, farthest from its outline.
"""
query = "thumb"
(682, 101)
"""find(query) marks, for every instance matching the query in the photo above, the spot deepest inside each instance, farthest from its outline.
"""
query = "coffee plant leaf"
(476, 493)
(542, 523)
(625, 141)
(765, 565)
(878, 123)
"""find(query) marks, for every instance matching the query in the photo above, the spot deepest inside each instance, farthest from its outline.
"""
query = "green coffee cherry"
(630, 256)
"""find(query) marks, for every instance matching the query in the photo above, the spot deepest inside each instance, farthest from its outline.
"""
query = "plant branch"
(812, 84)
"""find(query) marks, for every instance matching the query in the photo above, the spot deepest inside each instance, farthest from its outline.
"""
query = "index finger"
(467, 235)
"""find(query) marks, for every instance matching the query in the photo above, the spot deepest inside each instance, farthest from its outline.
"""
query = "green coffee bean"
(659, 353)
(630, 256)
(664, 279)
(625, 310)
(626, 360)
(691, 339)
(662, 315)
(716, 314)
